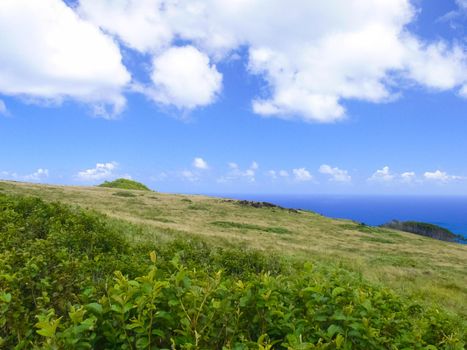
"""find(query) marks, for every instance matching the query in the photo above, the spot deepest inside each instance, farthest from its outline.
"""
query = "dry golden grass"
(432, 270)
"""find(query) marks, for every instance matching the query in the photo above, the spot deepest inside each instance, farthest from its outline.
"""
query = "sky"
(236, 96)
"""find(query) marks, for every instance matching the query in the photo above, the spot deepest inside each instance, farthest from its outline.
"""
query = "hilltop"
(125, 184)
(244, 239)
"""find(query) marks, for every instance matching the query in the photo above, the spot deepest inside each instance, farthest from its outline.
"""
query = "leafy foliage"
(68, 280)
(125, 184)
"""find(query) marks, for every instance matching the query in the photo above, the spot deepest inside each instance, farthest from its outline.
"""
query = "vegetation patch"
(125, 184)
(244, 226)
(69, 280)
(378, 240)
(164, 220)
(361, 227)
(124, 194)
(198, 206)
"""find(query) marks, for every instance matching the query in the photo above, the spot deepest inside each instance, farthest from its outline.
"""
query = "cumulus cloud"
(189, 175)
(38, 175)
(311, 57)
(185, 78)
(52, 54)
(102, 171)
(236, 173)
(463, 91)
(200, 163)
(272, 174)
(408, 177)
(139, 24)
(440, 176)
(335, 174)
(301, 174)
(8, 175)
(382, 175)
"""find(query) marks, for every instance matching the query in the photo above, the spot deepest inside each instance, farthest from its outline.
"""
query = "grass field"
(430, 270)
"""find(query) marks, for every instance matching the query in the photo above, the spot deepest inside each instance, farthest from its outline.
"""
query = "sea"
(449, 212)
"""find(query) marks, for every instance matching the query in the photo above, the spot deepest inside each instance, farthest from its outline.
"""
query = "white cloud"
(440, 176)
(312, 57)
(272, 174)
(382, 175)
(436, 65)
(8, 175)
(184, 77)
(3, 109)
(140, 24)
(102, 171)
(336, 174)
(162, 176)
(301, 174)
(236, 173)
(408, 177)
(38, 175)
(200, 163)
(52, 54)
(463, 91)
(189, 175)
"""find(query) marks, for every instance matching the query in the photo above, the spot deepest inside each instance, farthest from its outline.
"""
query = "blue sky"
(225, 111)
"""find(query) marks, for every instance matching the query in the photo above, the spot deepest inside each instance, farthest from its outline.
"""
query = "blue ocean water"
(448, 212)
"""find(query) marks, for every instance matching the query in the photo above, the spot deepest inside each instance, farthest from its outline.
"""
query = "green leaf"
(153, 256)
(333, 329)
(48, 328)
(337, 291)
(95, 308)
(6, 297)
(339, 341)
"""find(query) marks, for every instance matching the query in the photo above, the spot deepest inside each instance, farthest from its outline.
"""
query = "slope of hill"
(57, 291)
(429, 270)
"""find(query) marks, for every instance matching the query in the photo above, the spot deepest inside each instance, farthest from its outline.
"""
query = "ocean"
(446, 211)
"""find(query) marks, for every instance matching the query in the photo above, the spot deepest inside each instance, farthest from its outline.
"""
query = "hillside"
(410, 263)
(433, 272)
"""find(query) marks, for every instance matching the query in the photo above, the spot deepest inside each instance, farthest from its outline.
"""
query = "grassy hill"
(422, 269)
(125, 184)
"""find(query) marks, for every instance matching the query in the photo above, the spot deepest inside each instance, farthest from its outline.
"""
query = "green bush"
(58, 290)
